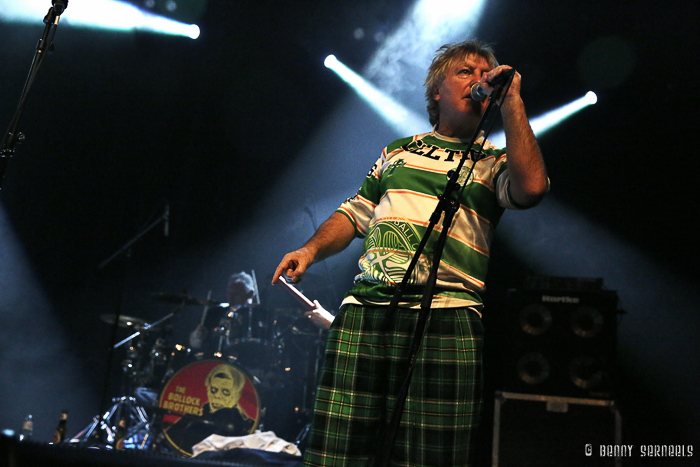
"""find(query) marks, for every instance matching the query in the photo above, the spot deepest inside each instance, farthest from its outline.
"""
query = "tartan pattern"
(363, 371)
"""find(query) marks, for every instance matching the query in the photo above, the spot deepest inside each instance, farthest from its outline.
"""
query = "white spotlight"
(330, 61)
(403, 120)
(194, 31)
(548, 120)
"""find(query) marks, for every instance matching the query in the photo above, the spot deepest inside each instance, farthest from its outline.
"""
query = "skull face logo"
(224, 386)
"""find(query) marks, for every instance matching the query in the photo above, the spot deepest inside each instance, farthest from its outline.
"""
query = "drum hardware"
(132, 364)
(223, 333)
(124, 321)
(145, 368)
(206, 309)
(302, 434)
(178, 357)
(250, 342)
(300, 332)
(137, 366)
(146, 327)
(101, 432)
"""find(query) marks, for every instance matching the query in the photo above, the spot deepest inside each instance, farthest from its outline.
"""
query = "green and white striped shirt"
(391, 212)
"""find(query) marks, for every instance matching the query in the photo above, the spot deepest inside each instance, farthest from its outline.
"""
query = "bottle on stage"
(27, 428)
(119, 434)
(60, 433)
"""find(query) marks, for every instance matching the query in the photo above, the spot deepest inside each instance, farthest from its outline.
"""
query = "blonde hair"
(446, 56)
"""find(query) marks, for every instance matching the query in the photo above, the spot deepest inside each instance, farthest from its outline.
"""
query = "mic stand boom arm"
(127, 245)
(449, 205)
(45, 45)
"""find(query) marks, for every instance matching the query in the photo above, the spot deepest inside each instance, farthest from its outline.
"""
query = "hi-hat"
(124, 321)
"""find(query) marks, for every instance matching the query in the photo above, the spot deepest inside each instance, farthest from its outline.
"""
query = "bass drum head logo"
(208, 397)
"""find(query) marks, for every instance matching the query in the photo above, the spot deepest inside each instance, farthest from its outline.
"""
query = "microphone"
(166, 220)
(479, 93)
(59, 6)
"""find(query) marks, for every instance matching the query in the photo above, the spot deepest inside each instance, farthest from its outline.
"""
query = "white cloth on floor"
(266, 441)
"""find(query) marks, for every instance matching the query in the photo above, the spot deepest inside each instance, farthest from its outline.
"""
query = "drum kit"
(255, 369)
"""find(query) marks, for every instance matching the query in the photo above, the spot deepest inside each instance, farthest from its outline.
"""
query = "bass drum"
(208, 397)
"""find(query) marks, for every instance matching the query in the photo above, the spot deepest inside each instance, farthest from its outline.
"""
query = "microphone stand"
(44, 46)
(448, 204)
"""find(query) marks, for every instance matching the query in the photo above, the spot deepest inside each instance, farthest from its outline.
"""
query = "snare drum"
(208, 397)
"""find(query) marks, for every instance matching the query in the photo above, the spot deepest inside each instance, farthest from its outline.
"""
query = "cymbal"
(124, 321)
(182, 299)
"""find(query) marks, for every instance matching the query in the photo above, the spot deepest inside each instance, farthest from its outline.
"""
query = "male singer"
(365, 361)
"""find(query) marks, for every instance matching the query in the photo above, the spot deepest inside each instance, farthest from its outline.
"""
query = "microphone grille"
(478, 93)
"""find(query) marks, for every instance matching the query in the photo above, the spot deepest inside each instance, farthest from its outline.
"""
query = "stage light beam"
(97, 14)
(401, 119)
(398, 66)
(550, 119)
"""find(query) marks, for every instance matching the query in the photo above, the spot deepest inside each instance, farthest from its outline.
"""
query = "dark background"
(253, 142)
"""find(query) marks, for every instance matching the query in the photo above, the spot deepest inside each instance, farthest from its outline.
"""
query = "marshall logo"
(564, 299)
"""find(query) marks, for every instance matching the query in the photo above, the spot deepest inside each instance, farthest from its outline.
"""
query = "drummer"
(213, 333)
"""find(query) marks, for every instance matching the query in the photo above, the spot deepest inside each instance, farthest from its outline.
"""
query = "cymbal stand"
(147, 327)
(102, 431)
(125, 252)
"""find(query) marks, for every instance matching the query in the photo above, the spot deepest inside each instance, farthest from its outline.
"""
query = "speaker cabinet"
(550, 431)
(560, 343)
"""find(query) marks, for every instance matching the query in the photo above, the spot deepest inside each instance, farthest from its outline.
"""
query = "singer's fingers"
(295, 273)
(493, 74)
(287, 264)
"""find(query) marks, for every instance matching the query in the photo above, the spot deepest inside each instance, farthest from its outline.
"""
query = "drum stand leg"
(302, 435)
(102, 431)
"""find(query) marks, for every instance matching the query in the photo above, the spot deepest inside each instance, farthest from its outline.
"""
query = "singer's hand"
(491, 76)
(294, 265)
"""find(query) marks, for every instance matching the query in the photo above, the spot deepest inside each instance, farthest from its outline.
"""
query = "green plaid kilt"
(363, 371)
